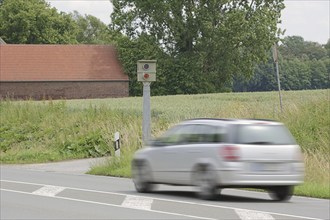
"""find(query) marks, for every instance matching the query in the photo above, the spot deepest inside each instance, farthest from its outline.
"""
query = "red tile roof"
(19, 62)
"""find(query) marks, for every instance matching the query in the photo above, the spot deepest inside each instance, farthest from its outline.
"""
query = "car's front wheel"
(141, 173)
(205, 182)
(281, 193)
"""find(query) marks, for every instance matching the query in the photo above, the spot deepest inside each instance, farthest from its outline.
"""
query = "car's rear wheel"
(205, 182)
(141, 173)
(281, 193)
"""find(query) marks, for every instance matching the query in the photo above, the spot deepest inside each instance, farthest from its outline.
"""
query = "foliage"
(295, 75)
(129, 51)
(206, 41)
(26, 127)
(35, 22)
(91, 30)
(302, 65)
(327, 47)
(91, 145)
(264, 79)
(319, 73)
(296, 47)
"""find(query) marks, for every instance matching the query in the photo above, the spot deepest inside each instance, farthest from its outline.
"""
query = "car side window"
(207, 134)
(177, 135)
(192, 134)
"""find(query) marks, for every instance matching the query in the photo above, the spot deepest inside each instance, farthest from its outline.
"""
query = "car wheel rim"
(281, 193)
(205, 183)
(141, 177)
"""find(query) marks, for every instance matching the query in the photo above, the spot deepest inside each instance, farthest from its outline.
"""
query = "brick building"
(61, 71)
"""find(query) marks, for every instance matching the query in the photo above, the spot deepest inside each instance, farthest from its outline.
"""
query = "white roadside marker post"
(117, 144)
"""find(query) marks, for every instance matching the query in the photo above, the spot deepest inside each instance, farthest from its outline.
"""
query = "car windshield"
(264, 135)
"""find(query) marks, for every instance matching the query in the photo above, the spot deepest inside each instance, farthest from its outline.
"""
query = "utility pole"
(275, 57)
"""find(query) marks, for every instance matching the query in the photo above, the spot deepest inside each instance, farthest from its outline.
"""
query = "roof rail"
(259, 119)
(231, 119)
(219, 119)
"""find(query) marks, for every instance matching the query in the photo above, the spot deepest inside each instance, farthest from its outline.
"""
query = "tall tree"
(91, 30)
(129, 51)
(319, 74)
(303, 65)
(327, 47)
(297, 47)
(208, 41)
(35, 22)
(264, 79)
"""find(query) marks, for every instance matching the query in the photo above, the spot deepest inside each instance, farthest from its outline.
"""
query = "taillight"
(298, 156)
(230, 152)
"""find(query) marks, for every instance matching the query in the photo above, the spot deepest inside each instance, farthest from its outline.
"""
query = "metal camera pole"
(146, 112)
(146, 73)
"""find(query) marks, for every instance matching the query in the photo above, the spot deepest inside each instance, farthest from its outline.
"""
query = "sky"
(309, 19)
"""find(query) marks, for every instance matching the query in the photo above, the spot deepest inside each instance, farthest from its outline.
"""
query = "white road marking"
(252, 215)
(170, 200)
(137, 202)
(48, 191)
(108, 204)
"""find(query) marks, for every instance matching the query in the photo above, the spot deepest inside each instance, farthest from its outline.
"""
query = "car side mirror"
(156, 143)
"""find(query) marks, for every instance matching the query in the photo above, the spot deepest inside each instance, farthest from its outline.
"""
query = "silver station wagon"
(212, 154)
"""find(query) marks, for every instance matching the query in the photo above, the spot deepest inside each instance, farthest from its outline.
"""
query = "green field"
(44, 131)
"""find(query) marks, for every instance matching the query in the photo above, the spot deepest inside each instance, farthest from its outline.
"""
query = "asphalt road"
(62, 191)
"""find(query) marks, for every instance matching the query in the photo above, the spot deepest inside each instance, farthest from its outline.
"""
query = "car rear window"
(264, 135)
